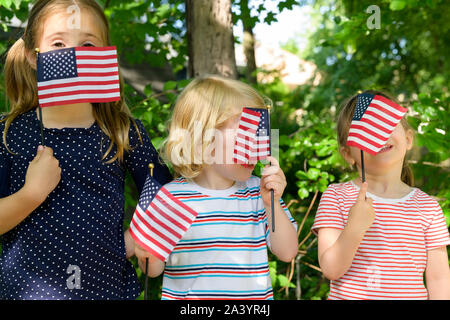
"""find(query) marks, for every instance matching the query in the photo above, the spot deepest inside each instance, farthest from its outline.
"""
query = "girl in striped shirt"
(223, 254)
(378, 238)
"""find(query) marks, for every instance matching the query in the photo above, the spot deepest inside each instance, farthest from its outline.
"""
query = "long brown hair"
(343, 125)
(113, 118)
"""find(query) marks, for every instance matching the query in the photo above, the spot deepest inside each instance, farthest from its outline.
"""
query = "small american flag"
(253, 140)
(373, 122)
(76, 75)
(160, 220)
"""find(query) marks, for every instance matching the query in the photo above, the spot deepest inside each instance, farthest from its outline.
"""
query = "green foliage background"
(407, 56)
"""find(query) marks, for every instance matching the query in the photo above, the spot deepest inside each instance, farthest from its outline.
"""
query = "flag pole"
(272, 196)
(42, 125)
(39, 105)
(146, 279)
(150, 166)
(363, 175)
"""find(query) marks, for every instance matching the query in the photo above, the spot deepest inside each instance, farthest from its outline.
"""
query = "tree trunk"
(249, 42)
(210, 38)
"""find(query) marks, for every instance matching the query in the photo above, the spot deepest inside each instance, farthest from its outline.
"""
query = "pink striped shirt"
(392, 257)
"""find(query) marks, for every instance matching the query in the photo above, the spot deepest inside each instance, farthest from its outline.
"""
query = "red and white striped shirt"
(392, 257)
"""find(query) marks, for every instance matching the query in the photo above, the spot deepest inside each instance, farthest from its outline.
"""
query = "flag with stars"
(160, 220)
(76, 75)
(373, 122)
(252, 140)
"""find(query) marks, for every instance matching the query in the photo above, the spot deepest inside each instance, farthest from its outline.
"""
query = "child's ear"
(345, 152)
(409, 139)
(31, 58)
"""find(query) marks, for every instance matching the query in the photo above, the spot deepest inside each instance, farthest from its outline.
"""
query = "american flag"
(160, 220)
(373, 122)
(253, 140)
(76, 75)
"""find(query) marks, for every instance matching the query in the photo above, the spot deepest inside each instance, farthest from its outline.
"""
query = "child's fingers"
(270, 171)
(362, 192)
(274, 168)
(47, 152)
(273, 186)
(272, 178)
(275, 183)
(273, 161)
(39, 152)
(140, 252)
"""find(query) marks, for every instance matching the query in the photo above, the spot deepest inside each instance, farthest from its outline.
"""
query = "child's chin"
(244, 175)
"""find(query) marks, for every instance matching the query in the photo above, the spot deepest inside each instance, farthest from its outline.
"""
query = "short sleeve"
(328, 214)
(288, 213)
(143, 153)
(5, 166)
(437, 235)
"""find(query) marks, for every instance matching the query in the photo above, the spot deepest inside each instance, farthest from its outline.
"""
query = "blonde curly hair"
(203, 106)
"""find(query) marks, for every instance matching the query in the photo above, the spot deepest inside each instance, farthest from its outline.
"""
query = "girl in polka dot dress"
(62, 205)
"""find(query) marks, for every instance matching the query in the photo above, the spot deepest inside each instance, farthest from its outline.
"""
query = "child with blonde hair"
(377, 239)
(62, 204)
(223, 254)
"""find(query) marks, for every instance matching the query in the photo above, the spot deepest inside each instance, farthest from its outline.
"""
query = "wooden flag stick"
(150, 166)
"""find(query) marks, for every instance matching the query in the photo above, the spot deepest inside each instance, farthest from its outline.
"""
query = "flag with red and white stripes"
(373, 122)
(160, 220)
(252, 140)
(76, 75)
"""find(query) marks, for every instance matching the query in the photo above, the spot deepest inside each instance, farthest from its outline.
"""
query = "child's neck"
(72, 115)
(210, 179)
(387, 185)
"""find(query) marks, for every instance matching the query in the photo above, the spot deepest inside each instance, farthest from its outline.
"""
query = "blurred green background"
(407, 54)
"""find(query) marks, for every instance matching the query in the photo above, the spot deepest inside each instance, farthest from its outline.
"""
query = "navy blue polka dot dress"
(72, 246)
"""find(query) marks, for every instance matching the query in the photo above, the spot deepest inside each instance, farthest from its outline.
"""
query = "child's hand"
(43, 174)
(129, 244)
(141, 253)
(362, 214)
(155, 266)
(272, 178)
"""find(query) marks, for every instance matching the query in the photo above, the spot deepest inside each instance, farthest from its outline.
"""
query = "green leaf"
(313, 173)
(163, 10)
(397, 5)
(148, 117)
(271, 17)
(273, 272)
(6, 3)
(303, 193)
(170, 85)
(183, 83)
(301, 175)
(284, 281)
(17, 3)
(148, 91)
(157, 142)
